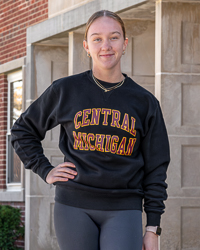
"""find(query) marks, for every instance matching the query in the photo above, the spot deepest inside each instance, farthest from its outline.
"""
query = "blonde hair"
(106, 13)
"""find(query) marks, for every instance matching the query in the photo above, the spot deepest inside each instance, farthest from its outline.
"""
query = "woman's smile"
(107, 55)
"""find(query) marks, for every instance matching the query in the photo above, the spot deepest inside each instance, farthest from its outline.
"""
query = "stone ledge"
(11, 196)
(12, 65)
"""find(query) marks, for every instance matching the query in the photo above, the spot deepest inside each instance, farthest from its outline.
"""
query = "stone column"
(44, 65)
(78, 60)
(177, 86)
(29, 98)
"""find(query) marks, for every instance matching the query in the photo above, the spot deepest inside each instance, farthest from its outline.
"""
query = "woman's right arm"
(30, 129)
(28, 132)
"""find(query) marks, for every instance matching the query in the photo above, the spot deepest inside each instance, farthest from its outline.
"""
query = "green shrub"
(11, 227)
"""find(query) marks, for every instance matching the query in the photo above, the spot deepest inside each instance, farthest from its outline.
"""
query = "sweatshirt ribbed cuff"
(153, 219)
(44, 169)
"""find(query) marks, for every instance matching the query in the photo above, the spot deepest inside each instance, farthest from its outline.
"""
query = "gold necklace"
(106, 89)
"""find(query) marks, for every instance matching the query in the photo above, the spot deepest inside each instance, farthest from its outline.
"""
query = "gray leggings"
(86, 229)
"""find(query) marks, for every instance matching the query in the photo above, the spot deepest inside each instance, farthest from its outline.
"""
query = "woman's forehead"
(103, 25)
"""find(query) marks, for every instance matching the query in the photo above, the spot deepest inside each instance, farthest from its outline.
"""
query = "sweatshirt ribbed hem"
(97, 200)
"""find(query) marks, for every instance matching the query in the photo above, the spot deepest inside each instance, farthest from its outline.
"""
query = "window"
(14, 111)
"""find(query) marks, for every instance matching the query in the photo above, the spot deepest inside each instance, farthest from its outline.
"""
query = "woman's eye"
(97, 39)
(114, 38)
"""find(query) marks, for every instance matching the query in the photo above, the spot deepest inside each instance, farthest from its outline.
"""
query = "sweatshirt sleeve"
(30, 129)
(155, 148)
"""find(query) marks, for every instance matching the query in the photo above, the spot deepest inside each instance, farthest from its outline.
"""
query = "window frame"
(12, 77)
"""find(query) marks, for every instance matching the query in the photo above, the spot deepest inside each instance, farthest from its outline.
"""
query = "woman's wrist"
(154, 229)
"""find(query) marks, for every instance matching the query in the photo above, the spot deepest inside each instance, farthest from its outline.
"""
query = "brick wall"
(15, 17)
(3, 129)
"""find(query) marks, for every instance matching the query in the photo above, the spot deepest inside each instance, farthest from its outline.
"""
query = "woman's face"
(105, 43)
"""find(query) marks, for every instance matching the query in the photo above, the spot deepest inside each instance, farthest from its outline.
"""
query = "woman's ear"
(125, 43)
(85, 45)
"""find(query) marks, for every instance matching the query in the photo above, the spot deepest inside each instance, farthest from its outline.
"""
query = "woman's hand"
(150, 241)
(61, 173)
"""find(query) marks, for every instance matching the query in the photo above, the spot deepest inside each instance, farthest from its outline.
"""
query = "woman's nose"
(106, 45)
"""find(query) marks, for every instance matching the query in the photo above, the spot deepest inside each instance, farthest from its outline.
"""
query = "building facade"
(163, 55)
(15, 18)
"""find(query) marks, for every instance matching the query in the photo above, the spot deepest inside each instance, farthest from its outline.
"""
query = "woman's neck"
(111, 76)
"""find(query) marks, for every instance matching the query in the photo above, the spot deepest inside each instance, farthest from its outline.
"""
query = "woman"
(115, 145)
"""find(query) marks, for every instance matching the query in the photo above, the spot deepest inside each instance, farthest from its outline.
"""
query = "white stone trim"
(70, 8)
(68, 20)
(12, 65)
(11, 196)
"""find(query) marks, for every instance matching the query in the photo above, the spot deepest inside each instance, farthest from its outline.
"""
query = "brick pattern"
(19, 242)
(3, 129)
(15, 17)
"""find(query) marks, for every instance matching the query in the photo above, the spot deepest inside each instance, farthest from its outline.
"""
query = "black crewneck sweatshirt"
(117, 140)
